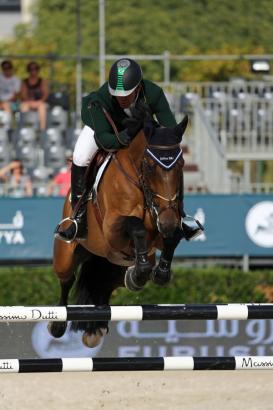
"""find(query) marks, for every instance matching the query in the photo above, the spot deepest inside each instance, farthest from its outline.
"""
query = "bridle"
(141, 183)
(150, 197)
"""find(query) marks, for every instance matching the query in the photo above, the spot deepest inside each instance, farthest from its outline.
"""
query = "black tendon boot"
(78, 227)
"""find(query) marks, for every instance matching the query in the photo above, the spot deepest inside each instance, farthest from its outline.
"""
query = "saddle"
(93, 168)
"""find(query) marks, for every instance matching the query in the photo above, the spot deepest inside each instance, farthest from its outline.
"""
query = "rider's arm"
(93, 117)
(163, 112)
(159, 104)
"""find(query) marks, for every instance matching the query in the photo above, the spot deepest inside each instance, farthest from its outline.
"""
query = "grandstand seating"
(239, 112)
(58, 118)
(5, 151)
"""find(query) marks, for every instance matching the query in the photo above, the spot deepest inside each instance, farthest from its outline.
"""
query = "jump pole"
(135, 364)
(239, 311)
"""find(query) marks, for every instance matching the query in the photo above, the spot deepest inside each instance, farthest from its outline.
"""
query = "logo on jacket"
(259, 224)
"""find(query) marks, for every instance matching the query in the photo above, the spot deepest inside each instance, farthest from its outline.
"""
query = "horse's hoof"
(57, 329)
(93, 339)
(129, 280)
(161, 275)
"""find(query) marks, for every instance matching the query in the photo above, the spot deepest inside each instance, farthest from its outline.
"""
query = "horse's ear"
(180, 128)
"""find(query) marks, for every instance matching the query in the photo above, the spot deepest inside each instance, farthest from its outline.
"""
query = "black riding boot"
(78, 227)
(191, 227)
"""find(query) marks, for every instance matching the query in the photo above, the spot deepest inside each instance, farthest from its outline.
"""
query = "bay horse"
(135, 211)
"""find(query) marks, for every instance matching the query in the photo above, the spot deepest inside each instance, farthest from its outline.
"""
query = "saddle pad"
(99, 175)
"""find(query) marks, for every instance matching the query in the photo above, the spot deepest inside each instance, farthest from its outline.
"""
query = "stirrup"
(191, 227)
(62, 238)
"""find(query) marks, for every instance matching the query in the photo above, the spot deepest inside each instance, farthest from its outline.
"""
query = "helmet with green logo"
(124, 77)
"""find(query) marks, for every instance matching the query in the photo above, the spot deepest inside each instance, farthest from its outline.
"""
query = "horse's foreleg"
(64, 264)
(137, 275)
(57, 329)
(161, 274)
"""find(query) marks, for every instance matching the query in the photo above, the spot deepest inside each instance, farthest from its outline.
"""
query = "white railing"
(235, 88)
(208, 152)
(244, 126)
(241, 112)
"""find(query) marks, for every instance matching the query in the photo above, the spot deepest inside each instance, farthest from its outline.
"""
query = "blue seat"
(54, 156)
(58, 118)
(25, 136)
(30, 119)
(51, 136)
(29, 155)
(5, 154)
(71, 137)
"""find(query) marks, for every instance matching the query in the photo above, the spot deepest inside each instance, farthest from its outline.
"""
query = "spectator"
(34, 93)
(18, 183)
(9, 88)
(60, 184)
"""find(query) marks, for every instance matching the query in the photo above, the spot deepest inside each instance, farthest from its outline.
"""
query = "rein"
(149, 194)
(141, 183)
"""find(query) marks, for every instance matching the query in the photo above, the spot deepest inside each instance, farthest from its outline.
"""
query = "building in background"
(13, 12)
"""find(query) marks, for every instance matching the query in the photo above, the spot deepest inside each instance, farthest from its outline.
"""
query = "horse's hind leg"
(96, 281)
(137, 275)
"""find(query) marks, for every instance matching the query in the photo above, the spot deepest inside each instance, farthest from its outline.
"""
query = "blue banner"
(234, 225)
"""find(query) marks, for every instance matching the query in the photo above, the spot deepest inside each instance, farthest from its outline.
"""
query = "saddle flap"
(95, 172)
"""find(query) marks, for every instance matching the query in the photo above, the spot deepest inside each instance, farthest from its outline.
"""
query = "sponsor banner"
(234, 225)
(27, 226)
(136, 339)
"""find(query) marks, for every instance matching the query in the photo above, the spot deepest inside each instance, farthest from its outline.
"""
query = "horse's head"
(162, 174)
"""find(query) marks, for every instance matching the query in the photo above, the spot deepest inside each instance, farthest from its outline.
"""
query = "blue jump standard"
(143, 312)
(135, 364)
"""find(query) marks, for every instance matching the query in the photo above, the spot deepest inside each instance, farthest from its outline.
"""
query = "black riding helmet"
(124, 77)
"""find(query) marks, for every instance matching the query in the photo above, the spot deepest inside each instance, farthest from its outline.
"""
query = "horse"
(135, 211)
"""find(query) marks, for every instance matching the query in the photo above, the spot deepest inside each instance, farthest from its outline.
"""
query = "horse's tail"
(95, 283)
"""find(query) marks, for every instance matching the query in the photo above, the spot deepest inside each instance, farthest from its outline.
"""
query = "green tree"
(149, 27)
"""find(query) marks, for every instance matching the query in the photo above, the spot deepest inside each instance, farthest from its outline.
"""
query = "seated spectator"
(9, 88)
(34, 93)
(60, 184)
(18, 183)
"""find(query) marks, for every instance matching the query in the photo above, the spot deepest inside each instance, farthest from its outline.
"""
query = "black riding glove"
(135, 123)
(126, 138)
(133, 126)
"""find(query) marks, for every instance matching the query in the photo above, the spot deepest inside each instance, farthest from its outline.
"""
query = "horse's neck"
(136, 148)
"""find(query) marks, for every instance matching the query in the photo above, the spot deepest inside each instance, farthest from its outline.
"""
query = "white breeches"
(85, 147)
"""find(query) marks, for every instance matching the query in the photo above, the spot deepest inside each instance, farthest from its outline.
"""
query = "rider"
(115, 98)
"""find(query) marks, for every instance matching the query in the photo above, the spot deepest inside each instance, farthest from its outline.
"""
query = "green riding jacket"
(93, 116)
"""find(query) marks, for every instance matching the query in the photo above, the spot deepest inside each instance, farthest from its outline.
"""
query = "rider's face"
(125, 102)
